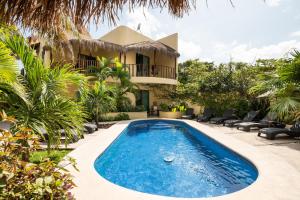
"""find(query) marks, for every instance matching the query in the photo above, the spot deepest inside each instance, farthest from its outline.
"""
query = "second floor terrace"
(139, 73)
(146, 62)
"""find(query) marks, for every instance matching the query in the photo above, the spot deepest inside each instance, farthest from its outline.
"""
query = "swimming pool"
(171, 158)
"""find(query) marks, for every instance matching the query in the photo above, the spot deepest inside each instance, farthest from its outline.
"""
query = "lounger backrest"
(250, 115)
(296, 127)
(189, 111)
(228, 113)
(208, 112)
(271, 116)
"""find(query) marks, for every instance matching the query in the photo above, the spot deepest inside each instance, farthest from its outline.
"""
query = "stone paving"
(286, 147)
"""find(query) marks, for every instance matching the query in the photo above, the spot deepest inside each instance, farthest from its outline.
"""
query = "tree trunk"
(96, 121)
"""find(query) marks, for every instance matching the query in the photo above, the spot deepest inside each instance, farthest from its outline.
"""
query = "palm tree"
(120, 73)
(47, 104)
(9, 83)
(102, 71)
(99, 100)
(114, 68)
(283, 86)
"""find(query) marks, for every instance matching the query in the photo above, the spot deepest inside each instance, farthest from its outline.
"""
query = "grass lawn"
(55, 155)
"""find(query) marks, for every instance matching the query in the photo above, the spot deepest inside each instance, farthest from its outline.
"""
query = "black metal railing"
(135, 70)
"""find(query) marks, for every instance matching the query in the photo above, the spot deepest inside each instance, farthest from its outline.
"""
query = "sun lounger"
(189, 114)
(271, 133)
(90, 127)
(207, 115)
(248, 118)
(228, 114)
(268, 121)
(74, 137)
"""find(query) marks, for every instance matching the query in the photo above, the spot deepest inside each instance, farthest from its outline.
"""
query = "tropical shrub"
(164, 107)
(139, 108)
(99, 99)
(55, 155)
(105, 118)
(181, 107)
(281, 85)
(114, 69)
(21, 179)
(118, 117)
(121, 116)
(102, 71)
(39, 99)
(220, 87)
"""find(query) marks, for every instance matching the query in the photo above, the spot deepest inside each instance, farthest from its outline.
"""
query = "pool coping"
(277, 179)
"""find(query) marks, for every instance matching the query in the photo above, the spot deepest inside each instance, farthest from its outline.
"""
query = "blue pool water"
(171, 158)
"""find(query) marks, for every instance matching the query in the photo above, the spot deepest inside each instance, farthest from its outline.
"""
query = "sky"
(250, 30)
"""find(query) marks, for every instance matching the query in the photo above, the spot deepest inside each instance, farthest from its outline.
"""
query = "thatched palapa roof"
(53, 16)
(70, 49)
(151, 46)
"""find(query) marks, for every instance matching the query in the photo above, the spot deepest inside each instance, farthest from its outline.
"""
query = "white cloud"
(273, 3)
(295, 34)
(248, 53)
(188, 50)
(150, 25)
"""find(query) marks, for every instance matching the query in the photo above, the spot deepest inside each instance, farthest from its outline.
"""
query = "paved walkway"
(283, 146)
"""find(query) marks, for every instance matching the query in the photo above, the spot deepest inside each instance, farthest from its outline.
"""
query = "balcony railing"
(159, 71)
(135, 70)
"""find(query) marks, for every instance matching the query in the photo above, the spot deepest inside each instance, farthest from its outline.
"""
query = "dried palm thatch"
(52, 16)
(151, 46)
(69, 50)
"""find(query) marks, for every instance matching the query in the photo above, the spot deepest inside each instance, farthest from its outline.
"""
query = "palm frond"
(8, 65)
(286, 107)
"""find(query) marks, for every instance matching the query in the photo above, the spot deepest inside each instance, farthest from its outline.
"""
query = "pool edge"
(269, 184)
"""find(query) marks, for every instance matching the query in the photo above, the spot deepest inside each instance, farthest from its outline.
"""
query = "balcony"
(158, 71)
(139, 73)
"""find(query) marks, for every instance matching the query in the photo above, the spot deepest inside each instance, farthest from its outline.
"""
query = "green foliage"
(21, 179)
(118, 117)
(105, 118)
(56, 156)
(139, 108)
(99, 99)
(121, 116)
(181, 107)
(281, 85)
(218, 86)
(8, 65)
(114, 68)
(102, 71)
(164, 107)
(41, 100)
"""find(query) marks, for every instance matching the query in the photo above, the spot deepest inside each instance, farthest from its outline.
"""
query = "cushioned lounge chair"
(189, 114)
(72, 138)
(268, 121)
(207, 115)
(250, 116)
(228, 114)
(271, 133)
(90, 127)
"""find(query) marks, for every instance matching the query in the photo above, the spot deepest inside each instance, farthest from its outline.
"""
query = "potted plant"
(171, 111)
